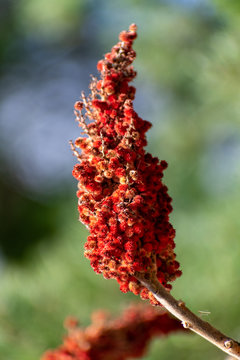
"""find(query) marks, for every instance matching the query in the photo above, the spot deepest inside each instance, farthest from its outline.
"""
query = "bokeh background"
(188, 86)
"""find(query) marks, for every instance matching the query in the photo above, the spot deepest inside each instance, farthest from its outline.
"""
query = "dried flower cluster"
(119, 339)
(122, 199)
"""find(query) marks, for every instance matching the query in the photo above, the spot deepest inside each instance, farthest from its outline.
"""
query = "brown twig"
(189, 319)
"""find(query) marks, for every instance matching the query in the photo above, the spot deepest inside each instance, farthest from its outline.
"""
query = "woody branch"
(189, 319)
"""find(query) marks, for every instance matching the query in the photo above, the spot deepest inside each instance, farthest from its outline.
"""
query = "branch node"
(228, 344)
(181, 303)
(186, 325)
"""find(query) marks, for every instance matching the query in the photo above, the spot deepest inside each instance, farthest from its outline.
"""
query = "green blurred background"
(188, 85)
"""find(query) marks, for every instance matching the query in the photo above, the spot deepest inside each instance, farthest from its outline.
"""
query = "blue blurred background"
(188, 57)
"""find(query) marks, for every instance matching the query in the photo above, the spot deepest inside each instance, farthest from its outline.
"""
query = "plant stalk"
(188, 318)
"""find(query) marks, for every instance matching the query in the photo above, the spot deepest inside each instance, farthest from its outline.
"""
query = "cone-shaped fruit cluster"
(122, 199)
(123, 338)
